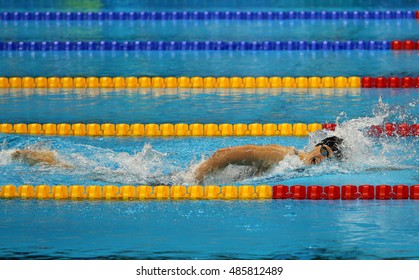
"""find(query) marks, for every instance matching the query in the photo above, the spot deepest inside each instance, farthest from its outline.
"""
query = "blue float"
(196, 45)
(208, 15)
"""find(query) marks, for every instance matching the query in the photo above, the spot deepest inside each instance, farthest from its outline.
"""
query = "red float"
(417, 45)
(401, 192)
(414, 192)
(329, 126)
(349, 192)
(366, 191)
(416, 82)
(407, 82)
(396, 45)
(404, 129)
(415, 129)
(394, 82)
(367, 82)
(332, 192)
(417, 14)
(381, 82)
(383, 192)
(390, 129)
(409, 45)
(280, 192)
(314, 192)
(298, 192)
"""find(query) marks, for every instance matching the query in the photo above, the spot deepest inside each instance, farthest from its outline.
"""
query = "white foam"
(362, 153)
(6, 157)
(145, 167)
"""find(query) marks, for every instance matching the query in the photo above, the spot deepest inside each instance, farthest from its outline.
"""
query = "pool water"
(273, 229)
(186, 106)
(210, 63)
(239, 229)
(211, 30)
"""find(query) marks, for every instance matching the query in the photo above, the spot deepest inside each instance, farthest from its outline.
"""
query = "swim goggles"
(324, 151)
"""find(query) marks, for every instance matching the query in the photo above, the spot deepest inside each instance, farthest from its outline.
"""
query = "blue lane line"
(196, 46)
(285, 15)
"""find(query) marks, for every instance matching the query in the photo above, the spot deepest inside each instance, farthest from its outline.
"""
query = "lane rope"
(210, 45)
(297, 192)
(210, 82)
(209, 15)
(196, 129)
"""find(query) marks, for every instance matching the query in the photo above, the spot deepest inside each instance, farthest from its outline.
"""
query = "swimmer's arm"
(250, 155)
(217, 161)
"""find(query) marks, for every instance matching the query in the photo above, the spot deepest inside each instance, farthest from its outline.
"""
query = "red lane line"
(388, 129)
(345, 192)
(389, 82)
(408, 45)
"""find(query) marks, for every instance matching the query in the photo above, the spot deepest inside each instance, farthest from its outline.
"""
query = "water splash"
(145, 167)
(362, 153)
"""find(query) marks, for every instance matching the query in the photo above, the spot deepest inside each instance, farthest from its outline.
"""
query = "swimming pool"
(208, 229)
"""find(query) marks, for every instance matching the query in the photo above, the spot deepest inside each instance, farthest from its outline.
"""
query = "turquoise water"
(209, 230)
(306, 30)
(186, 106)
(210, 63)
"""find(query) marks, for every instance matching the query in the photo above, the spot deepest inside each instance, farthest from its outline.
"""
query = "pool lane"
(191, 30)
(199, 106)
(171, 161)
(209, 63)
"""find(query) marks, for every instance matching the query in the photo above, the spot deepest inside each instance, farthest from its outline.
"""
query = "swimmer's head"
(335, 144)
(329, 147)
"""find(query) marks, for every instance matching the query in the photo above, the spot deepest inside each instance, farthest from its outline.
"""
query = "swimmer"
(33, 157)
(264, 157)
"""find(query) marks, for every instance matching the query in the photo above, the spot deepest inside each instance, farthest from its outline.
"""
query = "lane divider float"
(195, 129)
(210, 46)
(210, 15)
(164, 130)
(209, 82)
(296, 192)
